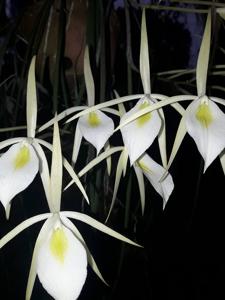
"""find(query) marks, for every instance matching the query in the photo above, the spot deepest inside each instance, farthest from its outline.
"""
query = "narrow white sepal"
(208, 134)
(222, 160)
(144, 57)
(56, 169)
(162, 139)
(89, 81)
(108, 159)
(98, 225)
(44, 173)
(96, 128)
(68, 167)
(139, 134)
(18, 168)
(31, 100)
(76, 145)
(22, 226)
(203, 58)
(62, 263)
(119, 171)
(181, 131)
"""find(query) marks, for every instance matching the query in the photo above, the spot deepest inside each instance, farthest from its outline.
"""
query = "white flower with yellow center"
(138, 135)
(20, 164)
(60, 254)
(205, 122)
(18, 167)
(62, 263)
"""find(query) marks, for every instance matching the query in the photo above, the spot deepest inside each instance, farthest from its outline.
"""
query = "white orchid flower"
(153, 172)
(140, 134)
(60, 254)
(143, 166)
(22, 161)
(205, 122)
(18, 167)
(93, 124)
(20, 164)
(203, 119)
(96, 127)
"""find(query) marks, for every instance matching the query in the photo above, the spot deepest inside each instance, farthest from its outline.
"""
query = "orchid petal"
(154, 172)
(33, 269)
(56, 169)
(68, 167)
(153, 107)
(203, 58)
(31, 100)
(104, 104)
(108, 159)
(140, 134)
(18, 167)
(181, 131)
(222, 160)
(9, 142)
(91, 260)
(61, 116)
(205, 123)
(162, 139)
(98, 225)
(22, 226)
(89, 81)
(144, 57)
(44, 172)
(121, 168)
(76, 145)
(95, 162)
(62, 263)
(96, 127)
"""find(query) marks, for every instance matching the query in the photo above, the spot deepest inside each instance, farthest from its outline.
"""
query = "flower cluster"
(60, 255)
